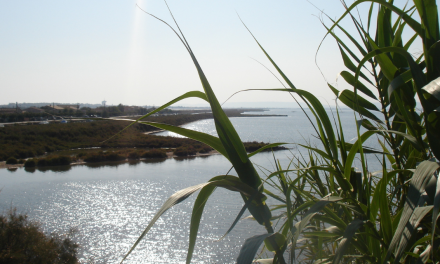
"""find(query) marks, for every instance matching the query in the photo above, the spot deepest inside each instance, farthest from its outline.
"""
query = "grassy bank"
(22, 142)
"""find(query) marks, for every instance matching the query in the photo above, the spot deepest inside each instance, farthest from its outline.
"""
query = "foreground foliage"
(329, 211)
(22, 241)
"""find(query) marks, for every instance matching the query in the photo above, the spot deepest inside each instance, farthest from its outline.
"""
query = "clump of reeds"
(328, 211)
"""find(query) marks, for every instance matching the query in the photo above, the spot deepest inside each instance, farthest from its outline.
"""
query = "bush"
(185, 151)
(114, 156)
(204, 149)
(54, 161)
(30, 163)
(11, 160)
(59, 160)
(42, 162)
(21, 161)
(81, 155)
(154, 153)
(134, 155)
(23, 241)
(104, 156)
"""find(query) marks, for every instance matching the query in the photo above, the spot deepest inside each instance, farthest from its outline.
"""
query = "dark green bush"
(104, 156)
(59, 160)
(81, 155)
(185, 151)
(204, 149)
(134, 155)
(54, 161)
(95, 157)
(30, 163)
(114, 156)
(11, 160)
(42, 162)
(154, 153)
(21, 161)
(23, 241)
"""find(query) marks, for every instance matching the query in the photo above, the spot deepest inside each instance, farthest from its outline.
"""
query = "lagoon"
(110, 204)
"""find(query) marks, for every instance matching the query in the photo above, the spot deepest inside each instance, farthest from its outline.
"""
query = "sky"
(89, 51)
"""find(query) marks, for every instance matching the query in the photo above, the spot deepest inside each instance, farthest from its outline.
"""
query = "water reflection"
(154, 160)
(184, 158)
(133, 162)
(30, 169)
(55, 168)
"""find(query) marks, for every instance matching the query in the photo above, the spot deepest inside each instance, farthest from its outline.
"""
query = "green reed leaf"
(212, 141)
(225, 181)
(273, 145)
(349, 78)
(192, 94)
(356, 103)
(408, 19)
(318, 206)
(349, 232)
(350, 65)
(353, 152)
(422, 175)
(249, 248)
(433, 89)
(409, 229)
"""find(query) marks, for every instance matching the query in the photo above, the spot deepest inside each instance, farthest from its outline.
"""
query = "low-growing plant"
(104, 156)
(11, 160)
(54, 161)
(23, 241)
(185, 151)
(154, 153)
(30, 163)
(133, 155)
(204, 149)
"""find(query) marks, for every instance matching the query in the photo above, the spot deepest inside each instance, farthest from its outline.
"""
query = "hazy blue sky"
(87, 51)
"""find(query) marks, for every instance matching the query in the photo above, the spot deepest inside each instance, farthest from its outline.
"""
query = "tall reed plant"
(329, 211)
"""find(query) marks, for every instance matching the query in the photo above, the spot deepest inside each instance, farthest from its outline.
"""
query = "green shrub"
(42, 162)
(23, 241)
(114, 156)
(95, 157)
(204, 149)
(59, 160)
(104, 156)
(21, 161)
(54, 161)
(134, 155)
(81, 155)
(30, 163)
(11, 160)
(185, 151)
(154, 153)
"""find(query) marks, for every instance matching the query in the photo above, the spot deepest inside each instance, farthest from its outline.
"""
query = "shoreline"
(170, 155)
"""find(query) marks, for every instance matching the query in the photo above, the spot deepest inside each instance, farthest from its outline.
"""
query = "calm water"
(110, 205)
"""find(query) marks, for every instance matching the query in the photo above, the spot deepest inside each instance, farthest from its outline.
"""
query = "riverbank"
(97, 155)
(28, 141)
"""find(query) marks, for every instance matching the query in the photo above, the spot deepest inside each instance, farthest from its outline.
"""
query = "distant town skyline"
(81, 50)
